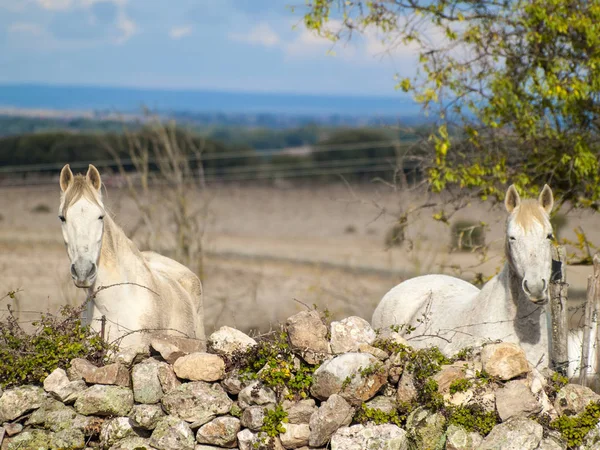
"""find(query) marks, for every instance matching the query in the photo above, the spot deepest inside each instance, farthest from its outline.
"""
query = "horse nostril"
(73, 271)
(92, 271)
(544, 285)
(525, 288)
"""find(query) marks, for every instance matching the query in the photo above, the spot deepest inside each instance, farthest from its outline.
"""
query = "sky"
(225, 45)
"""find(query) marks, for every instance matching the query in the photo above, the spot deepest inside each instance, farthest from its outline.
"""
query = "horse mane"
(79, 187)
(530, 212)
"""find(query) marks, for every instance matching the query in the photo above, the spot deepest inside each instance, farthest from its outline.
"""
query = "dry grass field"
(268, 249)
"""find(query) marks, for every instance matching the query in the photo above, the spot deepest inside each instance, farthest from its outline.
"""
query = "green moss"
(428, 395)
(365, 414)
(574, 428)
(473, 418)
(460, 385)
(273, 362)
(555, 383)
(236, 411)
(273, 422)
(28, 358)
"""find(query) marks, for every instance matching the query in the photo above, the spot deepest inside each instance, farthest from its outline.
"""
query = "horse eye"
(550, 236)
(101, 218)
(512, 238)
(62, 219)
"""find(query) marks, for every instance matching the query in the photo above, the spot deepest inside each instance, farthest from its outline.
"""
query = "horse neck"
(119, 257)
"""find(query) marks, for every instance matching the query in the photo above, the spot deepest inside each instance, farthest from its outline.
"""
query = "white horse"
(451, 313)
(134, 290)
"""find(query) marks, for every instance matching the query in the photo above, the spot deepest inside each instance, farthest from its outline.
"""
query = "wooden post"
(103, 327)
(559, 358)
(596, 319)
(588, 320)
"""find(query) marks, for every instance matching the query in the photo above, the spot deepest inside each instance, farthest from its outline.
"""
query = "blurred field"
(268, 249)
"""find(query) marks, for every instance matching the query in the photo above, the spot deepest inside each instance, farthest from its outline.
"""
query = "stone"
(295, 435)
(355, 376)
(200, 367)
(388, 334)
(59, 386)
(71, 438)
(553, 443)
(172, 434)
(407, 392)
(168, 379)
(233, 383)
(132, 443)
(132, 355)
(381, 355)
(504, 360)
(447, 375)
(247, 440)
(308, 336)
(457, 438)
(253, 417)
(115, 374)
(349, 333)
(146, 383)
(197, 402)
(79, 368)
(331, 415)
(384, 404)
(372, 437)
(221, 432)
(227, 341)
(31, 440)
(104, 400)
(146, 416)
(116, 429)
(256, 394)
(426, 428)
(516, 399)
(172, 348)
(20, 400)
(299, 412)
(12, 429)
(517, 433)
(573, 398)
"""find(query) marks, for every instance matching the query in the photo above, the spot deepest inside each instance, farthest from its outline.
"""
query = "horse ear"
(546, 199)
(512, 199)
(93, 177)
(66, 177)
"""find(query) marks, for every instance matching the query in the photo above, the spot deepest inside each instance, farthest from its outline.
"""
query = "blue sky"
(232, 45)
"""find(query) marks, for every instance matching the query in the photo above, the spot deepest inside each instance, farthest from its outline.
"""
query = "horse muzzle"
(84, 273)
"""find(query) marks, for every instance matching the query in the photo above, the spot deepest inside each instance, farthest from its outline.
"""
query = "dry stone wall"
(311, 385)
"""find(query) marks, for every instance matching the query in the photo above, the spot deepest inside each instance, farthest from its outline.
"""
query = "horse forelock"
(529, 214)
(79, 188)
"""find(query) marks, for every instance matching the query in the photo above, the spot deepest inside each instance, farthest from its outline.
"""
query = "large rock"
(113, 374)
(72, 439)
(197, 402)
(518, 433)
(59, 386)
(227, 341)
(173, 347)
(132, 443)
(349, 333)
(504, 360)
(132, 355)
(308, 336)
(407, 392)
(247, 440)
(172, 434)
(234, 382)
(386, 405)
(221, 432)
(573, 398)
(116, 429)
(372, 437)
(31, 440)
(516, 399)
(333, 414)
(299, 412)
(427, 428)
(295, 435)
(355, 376)
(200, 367)
(103, 400)
(146, 416)
(146, 382)
(457, 438)
(168, 379)
(18, 401)
(254, 416)
(256, 394)
(449, 374)
(79, 368)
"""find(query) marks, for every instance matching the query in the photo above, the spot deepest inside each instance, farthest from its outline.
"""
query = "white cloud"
(260, 34)
(55, 5)
(180, 31)
(126, 27)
